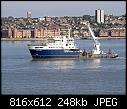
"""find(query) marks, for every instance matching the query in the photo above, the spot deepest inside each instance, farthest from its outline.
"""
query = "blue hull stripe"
(47, 57)
(53, 54)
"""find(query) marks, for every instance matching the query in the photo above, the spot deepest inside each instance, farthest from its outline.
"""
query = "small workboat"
(97, 52)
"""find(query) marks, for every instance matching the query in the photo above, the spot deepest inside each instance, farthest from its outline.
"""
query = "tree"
(10, 18)
(86, 17)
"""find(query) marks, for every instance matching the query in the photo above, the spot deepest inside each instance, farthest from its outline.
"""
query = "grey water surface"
(21, 75)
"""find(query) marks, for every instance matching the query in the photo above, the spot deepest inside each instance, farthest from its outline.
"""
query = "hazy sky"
(61, 8)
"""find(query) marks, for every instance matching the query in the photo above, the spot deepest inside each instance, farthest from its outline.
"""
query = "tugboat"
(59, 48)
(97, 52)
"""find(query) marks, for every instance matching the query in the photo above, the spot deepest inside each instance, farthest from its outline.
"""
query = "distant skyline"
(61, 8)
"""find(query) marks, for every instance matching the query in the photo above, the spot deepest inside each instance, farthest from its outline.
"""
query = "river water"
(21, 75)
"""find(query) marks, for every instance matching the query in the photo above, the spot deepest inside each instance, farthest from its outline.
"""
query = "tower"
(99, 15)
(28, 14)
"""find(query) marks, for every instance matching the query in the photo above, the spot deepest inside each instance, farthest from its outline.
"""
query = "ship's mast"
(69, 32)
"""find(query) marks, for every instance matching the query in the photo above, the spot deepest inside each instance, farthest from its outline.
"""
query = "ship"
(62, 47)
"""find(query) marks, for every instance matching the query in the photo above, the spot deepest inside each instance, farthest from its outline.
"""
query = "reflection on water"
(96, 61)
(92, 63)
(57, 64)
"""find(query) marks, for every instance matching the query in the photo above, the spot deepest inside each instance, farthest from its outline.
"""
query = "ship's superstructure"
(61, 47)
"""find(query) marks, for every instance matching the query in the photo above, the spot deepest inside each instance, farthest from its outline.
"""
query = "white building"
(41, 18)
(99, 14)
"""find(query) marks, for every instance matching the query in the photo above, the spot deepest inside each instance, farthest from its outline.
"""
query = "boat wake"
(121, 58)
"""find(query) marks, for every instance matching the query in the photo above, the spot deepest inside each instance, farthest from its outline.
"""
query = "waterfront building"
(104, 33)
(21, 33)
(99, 14)
(46, 33)
(118, 32)
(4, 33)
(123, 32)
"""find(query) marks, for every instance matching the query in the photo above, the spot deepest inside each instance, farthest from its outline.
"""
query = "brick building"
(46, 33)
(104, 33)
(30, 33)
(118, 32)
(112, 33)
(20, 33)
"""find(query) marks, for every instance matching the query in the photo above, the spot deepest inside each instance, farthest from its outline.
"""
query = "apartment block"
(99, 14)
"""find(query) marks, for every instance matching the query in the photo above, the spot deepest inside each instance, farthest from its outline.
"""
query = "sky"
(61, 8)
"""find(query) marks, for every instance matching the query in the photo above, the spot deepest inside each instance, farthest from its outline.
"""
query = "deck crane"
(96, 52)
(97, 44)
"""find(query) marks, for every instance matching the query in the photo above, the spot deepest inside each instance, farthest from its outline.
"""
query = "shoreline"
(112, 38)
(39, 39)
(23, 39)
